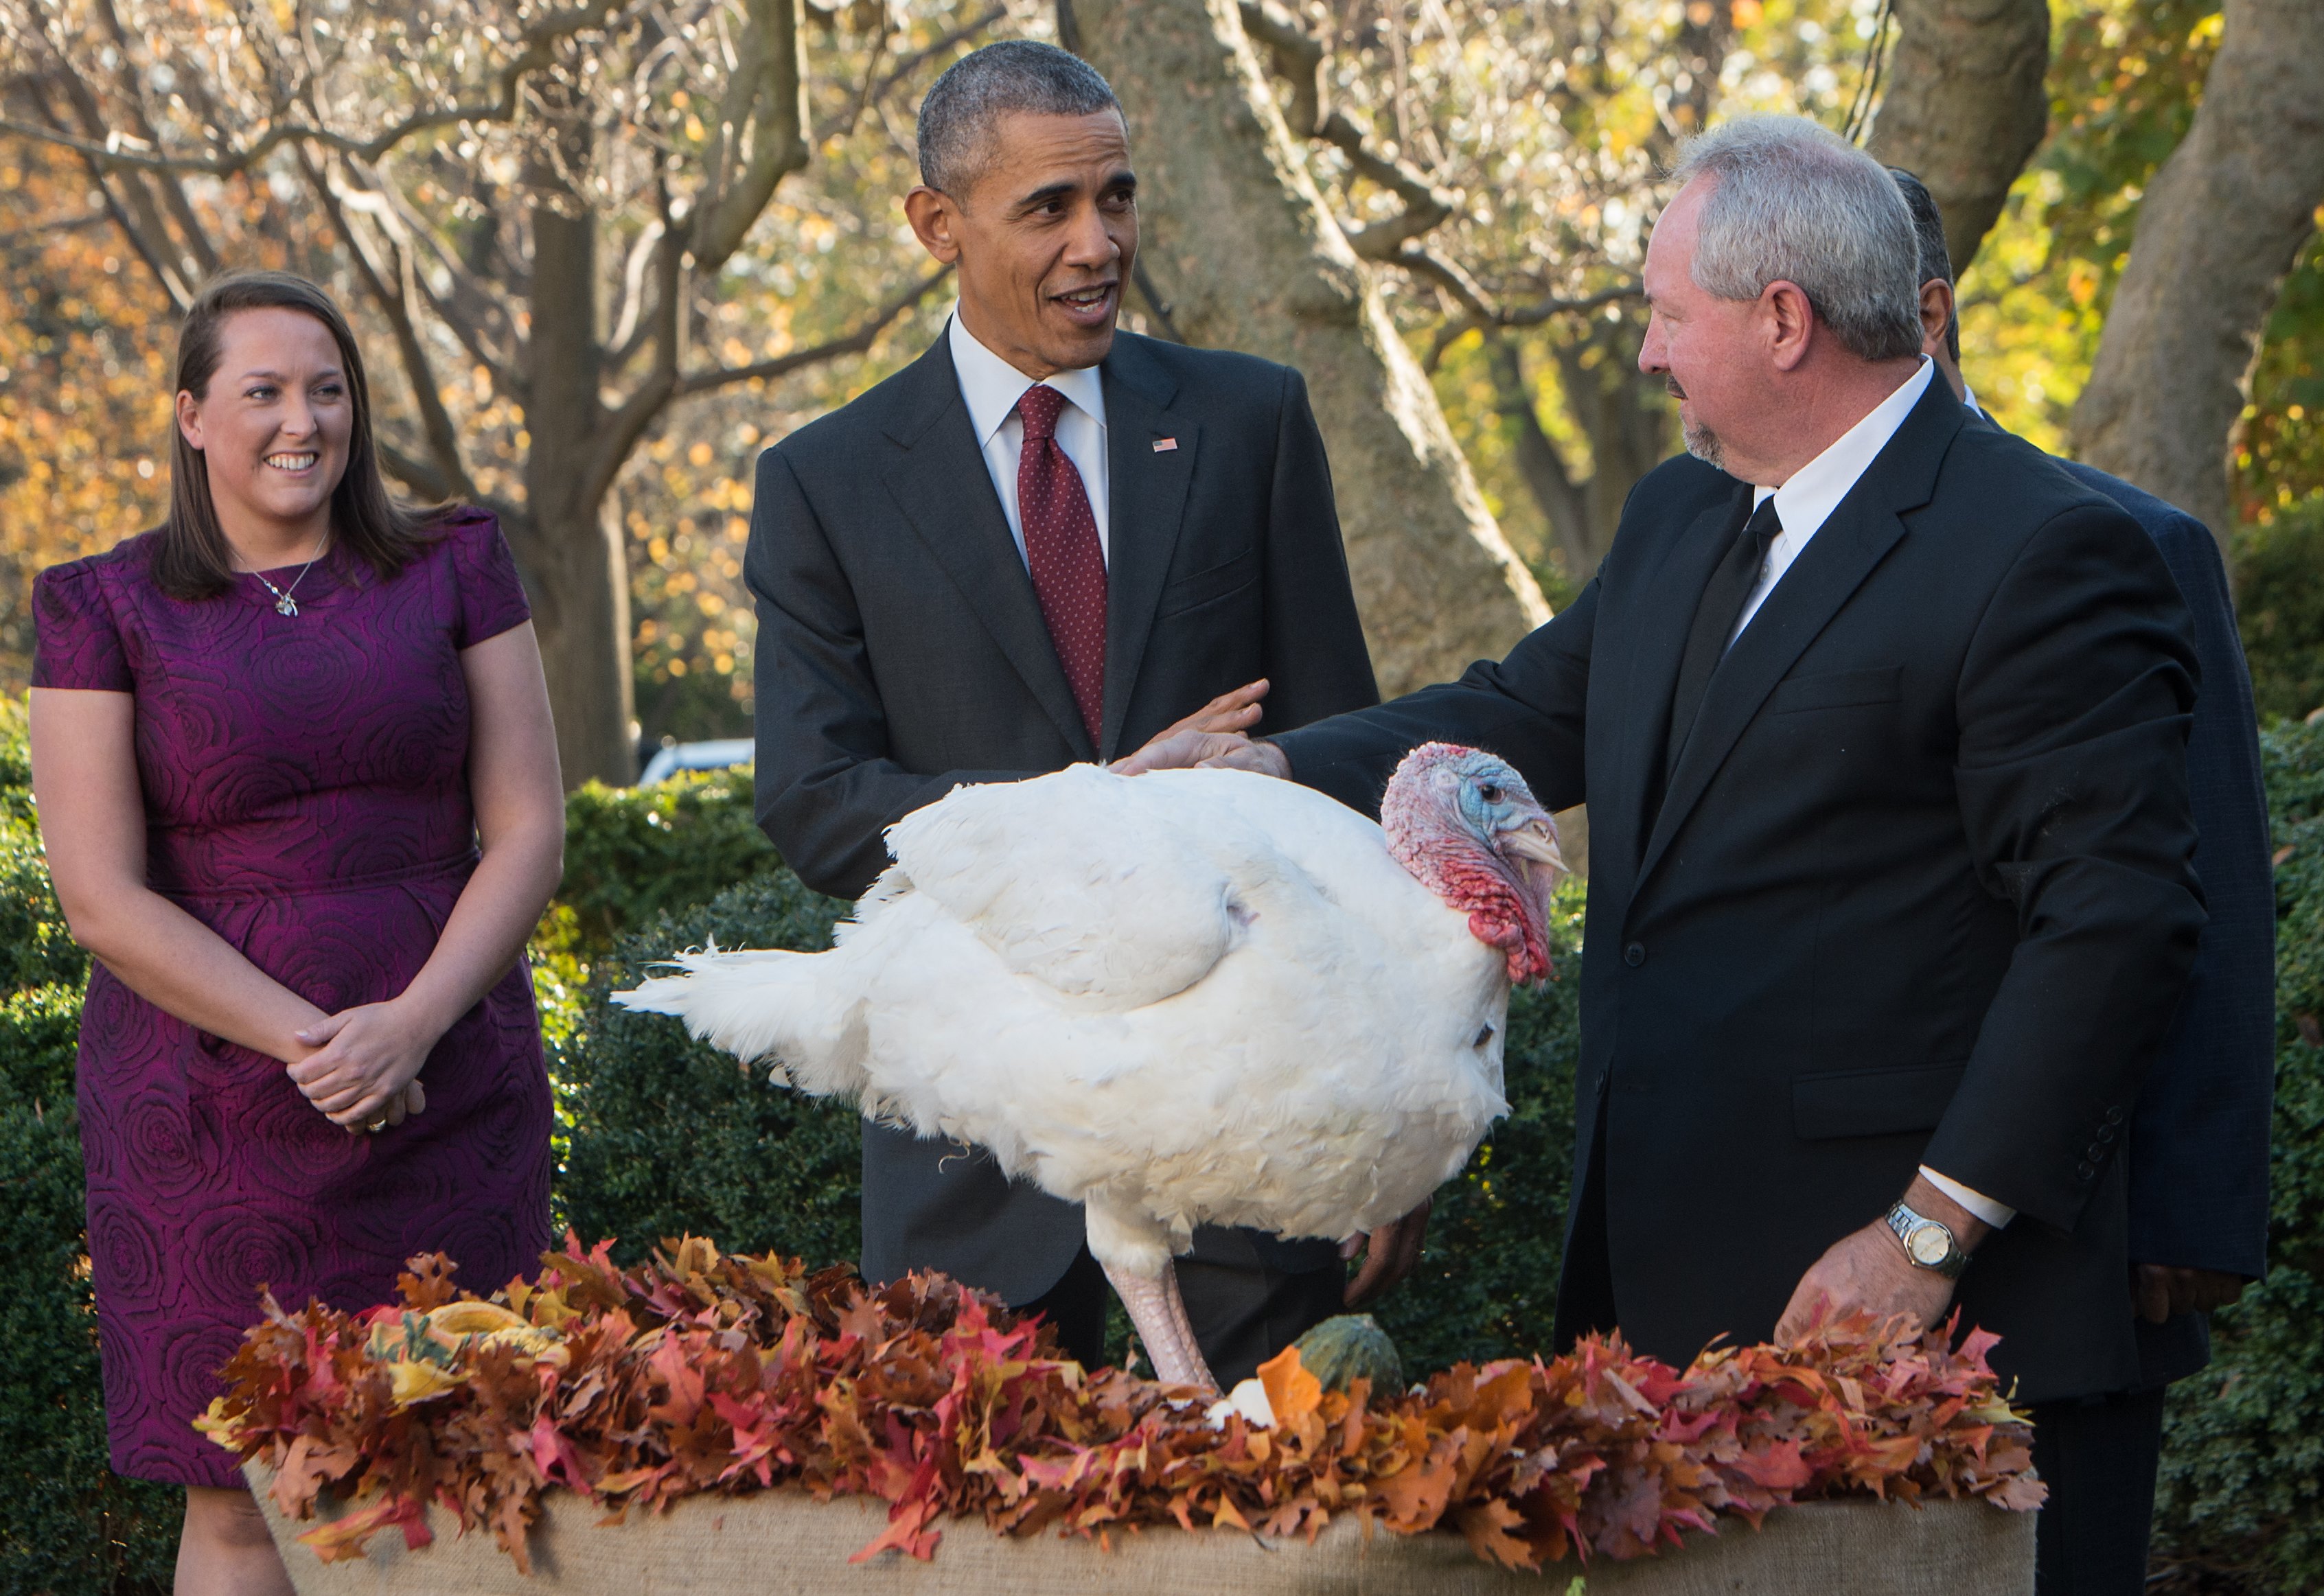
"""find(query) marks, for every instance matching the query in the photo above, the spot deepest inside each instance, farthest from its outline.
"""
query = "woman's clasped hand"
(364, 1073)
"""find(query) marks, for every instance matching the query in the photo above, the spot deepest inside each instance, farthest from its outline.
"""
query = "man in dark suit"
(1042, 543)
(1881, 719)
(2199, 1140)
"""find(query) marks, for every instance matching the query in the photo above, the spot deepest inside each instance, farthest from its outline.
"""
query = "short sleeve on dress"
(76, 643)
(491, 596)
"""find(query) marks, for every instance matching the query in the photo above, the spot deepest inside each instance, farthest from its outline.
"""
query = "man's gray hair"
(1016, 75)
(1797, 203)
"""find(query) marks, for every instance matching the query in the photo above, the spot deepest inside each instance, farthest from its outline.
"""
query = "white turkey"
(1182, 998)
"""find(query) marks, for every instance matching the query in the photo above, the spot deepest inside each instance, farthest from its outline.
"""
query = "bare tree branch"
(903, 69)
(419, 375)
(1532, 315)
(1298, 57)
(768, 94)
(620, 431)
(540, 40)
(173, 193)
(414, 473)
(854, 343)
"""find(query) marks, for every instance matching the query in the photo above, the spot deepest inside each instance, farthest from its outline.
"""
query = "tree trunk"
(1238, 247)
(1538, 462)
(570, 548)
(2220, 225)
(1965, 108)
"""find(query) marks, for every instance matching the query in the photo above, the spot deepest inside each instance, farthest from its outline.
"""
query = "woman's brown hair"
(195, 561)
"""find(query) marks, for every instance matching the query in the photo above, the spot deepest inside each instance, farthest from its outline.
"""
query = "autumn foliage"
(698, 1373)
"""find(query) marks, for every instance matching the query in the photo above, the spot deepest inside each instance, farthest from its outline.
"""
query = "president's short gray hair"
(1016, 75)
(1799, 204)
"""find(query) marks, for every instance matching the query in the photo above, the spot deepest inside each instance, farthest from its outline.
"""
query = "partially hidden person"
(2198, 1138)
(1044, 543)
(1882, 721)
(299, 788)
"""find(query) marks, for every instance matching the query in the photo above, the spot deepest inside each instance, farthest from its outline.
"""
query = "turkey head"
(1467, 827)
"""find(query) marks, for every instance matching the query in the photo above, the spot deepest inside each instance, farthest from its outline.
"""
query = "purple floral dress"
(306, 798)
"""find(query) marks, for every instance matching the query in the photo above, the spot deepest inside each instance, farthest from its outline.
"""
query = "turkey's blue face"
(1493, 799)
(1467, 828)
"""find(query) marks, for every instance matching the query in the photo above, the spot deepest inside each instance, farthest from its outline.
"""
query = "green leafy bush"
(631, 853)
(2280, 608)
(2242, 1490)
(671, 1136)
(69, 1525)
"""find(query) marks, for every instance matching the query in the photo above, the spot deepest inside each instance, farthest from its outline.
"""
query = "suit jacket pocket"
(1873, 1102)
(1837, 689)
(1204, 586)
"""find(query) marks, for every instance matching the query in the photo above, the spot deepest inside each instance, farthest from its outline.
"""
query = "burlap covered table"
(784, 1542)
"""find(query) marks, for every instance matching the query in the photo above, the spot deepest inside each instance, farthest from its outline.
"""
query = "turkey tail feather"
(782, 1007)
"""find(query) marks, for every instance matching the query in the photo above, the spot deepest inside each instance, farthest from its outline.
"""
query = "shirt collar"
(992, 386)
(1806, 501)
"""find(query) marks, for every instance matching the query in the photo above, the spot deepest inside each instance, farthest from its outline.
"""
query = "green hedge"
(69, 1526)
(2243, 1475)
(661, 1135)
(2280, 608)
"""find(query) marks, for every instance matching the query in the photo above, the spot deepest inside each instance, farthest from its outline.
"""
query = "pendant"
(286, 606)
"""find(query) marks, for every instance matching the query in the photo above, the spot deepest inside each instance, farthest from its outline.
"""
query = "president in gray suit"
(1042, 543)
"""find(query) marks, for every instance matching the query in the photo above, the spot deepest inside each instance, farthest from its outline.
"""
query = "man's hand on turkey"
(1389, 1253)
(1235, 711)
(1177, 750)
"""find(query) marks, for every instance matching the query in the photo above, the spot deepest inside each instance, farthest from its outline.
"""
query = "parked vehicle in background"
(673, 756)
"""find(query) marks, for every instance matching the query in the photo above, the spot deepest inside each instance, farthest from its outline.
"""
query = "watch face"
(1929, 1246)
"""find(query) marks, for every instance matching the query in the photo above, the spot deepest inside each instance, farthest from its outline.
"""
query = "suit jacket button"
(2106, 1133)
(2086, 1171)
(2114, 1116)
(1635, 954)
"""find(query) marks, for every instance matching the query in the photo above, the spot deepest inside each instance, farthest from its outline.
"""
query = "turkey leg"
(1159, 1313)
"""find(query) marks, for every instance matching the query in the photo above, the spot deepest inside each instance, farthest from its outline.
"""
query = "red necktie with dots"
(1061, 549)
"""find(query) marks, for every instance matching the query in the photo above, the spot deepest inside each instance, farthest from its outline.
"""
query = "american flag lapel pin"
(1162, 446)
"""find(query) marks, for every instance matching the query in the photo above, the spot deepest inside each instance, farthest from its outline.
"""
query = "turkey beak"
(1535, 840)
(1533, 848)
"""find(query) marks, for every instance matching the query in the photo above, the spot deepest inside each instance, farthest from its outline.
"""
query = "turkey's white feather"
(1189, 997)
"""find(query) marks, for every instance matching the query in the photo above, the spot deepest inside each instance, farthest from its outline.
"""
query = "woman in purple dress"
(298, 787)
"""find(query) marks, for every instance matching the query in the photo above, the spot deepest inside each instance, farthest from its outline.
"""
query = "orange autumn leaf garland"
(698, 1373)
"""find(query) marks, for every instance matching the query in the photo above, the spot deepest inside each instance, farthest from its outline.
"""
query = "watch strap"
(1907, 1224)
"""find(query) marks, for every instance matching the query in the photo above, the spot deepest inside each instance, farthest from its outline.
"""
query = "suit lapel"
(1146, 498)
(1658, 642)
(944, 490)
(1858, 535)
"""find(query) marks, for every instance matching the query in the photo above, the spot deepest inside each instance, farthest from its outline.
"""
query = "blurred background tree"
(1491, 167)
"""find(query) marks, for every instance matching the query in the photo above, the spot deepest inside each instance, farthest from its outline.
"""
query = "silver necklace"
(284, 604)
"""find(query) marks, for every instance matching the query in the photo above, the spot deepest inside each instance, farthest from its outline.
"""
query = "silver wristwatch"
(1928, 1243)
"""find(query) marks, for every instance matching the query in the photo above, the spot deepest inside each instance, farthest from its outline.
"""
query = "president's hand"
(1391, 1253)
(1237, 711)
(2160, 1292)
(1868, 1270)
(1217, 751)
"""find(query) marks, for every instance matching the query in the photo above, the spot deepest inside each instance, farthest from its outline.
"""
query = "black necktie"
(1723, 598)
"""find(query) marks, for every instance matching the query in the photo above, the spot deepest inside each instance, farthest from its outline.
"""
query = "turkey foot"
(1159, 1313)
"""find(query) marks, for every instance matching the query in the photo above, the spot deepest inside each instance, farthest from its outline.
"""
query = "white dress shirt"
(992, 387)
(1804, 504)
(1806, 501)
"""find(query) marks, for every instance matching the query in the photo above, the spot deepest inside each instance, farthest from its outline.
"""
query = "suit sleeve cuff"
(1995, 1215)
